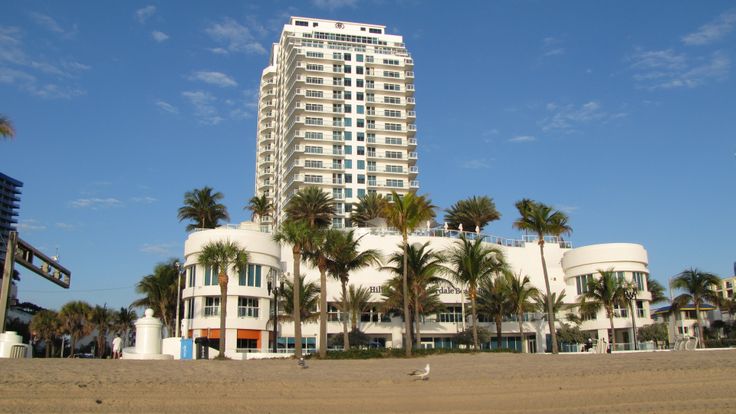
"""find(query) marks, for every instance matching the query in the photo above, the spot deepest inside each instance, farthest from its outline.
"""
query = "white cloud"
(334, 4)
(145, 13)
(476, 164)
(47, 22)
(33, 86)
(568, 209)
(159, 36)
(246, 106)
(712, 31)
(214, 78)
(552, 46)
(65, 226)
(160, 249)
(568, 118)
(144, 200)
(204, 108)
(167, 107)
(31, 225)
(523, 138)
(489, 132)
(666, 69)
(235, 37)
(219, 51)
(96, 203)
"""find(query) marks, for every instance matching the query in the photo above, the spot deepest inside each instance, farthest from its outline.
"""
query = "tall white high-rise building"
(336, 110)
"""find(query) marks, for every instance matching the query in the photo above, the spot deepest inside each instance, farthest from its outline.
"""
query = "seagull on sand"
(421, 374)
(302, 364)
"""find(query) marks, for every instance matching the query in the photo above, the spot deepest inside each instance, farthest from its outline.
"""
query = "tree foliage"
(471, 212)
(203, 208)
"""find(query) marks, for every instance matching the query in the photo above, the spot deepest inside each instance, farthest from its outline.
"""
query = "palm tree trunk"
(74, 346)
(48, 346)
(475, 318)
(405, 285)
(345, 335)
(613, 332)
(499, 322)
(550, 309)
(417, 338)
(701, 340)
(524, 349)
(322, 309)
(297, 311)
(223, 312)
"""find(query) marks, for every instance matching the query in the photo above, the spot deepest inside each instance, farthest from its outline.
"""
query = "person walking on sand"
(117, 344)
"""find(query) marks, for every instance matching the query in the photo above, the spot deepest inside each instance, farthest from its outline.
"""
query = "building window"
(391, 87)
(640, 280)
(301, 23)
(394, 155)
(249, 345)
(361, 192)
(394, 183)
(361, 163)
(393, 141)
(210, 276)
(582, 283)
(451, 314)
(192, 276)
(247, 307)
(348, 136)
(315, 81)
(211, 306)
(314, 94)
(252, 276)
(361, 136)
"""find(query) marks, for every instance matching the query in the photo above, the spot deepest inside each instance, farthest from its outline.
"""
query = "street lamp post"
(276, 290)
(179, 273)
(631, 296)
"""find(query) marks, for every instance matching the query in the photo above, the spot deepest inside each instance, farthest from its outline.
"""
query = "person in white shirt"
(117, 347)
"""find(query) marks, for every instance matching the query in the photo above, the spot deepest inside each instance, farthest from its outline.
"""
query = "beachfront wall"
(249, 306)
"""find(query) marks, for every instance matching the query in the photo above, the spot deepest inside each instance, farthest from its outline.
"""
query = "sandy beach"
(662, 382)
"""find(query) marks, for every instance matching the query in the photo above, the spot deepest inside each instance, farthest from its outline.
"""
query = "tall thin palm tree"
(520, 295)
(74, 317)
(426, 302)
(223, 255)
(260, 207)
(320, 247)
(406, 213)
(699, 287)
(308, 301)
(541, 220)
(316, 208)
(343, 258)
(369, 207)
(296, 233)
(203, 208)
(101, 319)
(159, 290)
(357, 301)
(470, 263)
(493, 301)
(424, 269)
(6, 127)
(46, 325)
(605, 292)
(476, 211)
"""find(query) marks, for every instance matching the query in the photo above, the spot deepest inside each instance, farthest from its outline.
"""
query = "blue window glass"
(361, 192)
(348, 122)
(361, 164)
(348, 164)
(360, 109)
(348, 192)
(348, 149)
(348, 136)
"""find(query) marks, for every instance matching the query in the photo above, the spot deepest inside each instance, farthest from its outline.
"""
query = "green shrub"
(377, 353)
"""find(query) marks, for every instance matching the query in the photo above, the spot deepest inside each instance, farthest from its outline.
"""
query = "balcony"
(411, 141)
(412, 155)
(408, 61)
(411, 100)
(409, 74)
(411, 114)
(409, 86)
(414, 170)
(411, 127)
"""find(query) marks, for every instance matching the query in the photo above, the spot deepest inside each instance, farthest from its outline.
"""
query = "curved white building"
(250, 306)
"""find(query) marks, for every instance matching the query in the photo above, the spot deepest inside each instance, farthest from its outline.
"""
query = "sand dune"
(645, 382)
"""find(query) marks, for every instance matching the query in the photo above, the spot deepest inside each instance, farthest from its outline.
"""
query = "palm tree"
(541, 220)
(320, 246)
(699, 287)
(343, 258)
(223, 255)
(369, 208)
(425, 303)
(476, 211)
(124, 321)
(520, 293)
(493, 301)
(606, 292)
(316, 208)
(357, 301)
(424, 265)
(298, 234)
(308, 301)
(6, 127)
(471, 262)
(101, 319)
(74, 317)
(46, 325)
(558, 303)
(203, 208)
(312, 205)
(657, 290)
(406, 213)
(260, 207)
(160, 293)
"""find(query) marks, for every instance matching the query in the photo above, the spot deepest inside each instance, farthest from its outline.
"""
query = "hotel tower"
(336, 110)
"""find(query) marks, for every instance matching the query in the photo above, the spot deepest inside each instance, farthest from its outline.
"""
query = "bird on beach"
(302, 364)
(421, 374)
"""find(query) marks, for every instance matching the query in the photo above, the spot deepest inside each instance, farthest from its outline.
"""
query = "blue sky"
(621, 114)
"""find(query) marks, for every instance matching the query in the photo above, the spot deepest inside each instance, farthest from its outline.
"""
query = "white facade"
(336, 110)
(565, 267)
